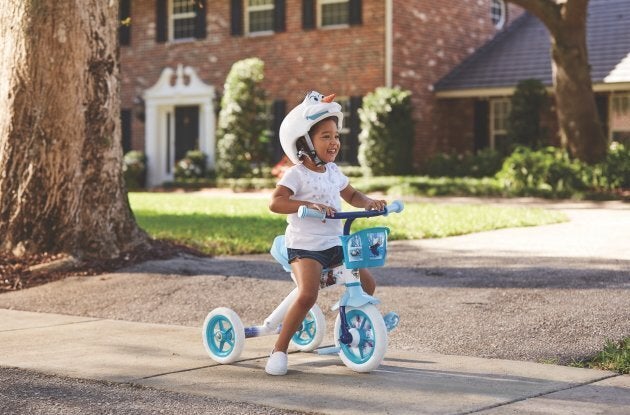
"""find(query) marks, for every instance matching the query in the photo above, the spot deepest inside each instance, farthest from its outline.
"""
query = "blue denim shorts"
(329, 258)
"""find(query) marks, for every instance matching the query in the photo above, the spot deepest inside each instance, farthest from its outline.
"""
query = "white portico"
(179, 116)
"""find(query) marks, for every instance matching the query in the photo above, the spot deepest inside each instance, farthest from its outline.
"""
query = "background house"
(479, 89)
(176, 54)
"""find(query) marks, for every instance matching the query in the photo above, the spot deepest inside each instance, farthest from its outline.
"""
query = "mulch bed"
(18, 273)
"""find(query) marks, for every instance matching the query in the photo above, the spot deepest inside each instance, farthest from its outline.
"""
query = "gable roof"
(522, 51)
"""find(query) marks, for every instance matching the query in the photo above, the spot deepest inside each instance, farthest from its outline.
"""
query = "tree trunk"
(580, 127)
(61, 184)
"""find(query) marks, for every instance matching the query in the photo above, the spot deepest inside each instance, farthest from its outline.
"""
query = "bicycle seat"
(279, 252)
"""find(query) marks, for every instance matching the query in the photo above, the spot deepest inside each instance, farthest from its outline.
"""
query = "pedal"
(391, 320)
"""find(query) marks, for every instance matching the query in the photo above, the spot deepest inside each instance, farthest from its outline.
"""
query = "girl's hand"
(329, 211)
(373, 204)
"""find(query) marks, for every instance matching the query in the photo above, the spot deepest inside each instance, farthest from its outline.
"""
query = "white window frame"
(618, 102)
(249, 9)
(499, 112)
(498, 13)
(320, 14)
(172, 16)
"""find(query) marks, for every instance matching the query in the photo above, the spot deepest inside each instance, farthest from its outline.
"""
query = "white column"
(151, 145)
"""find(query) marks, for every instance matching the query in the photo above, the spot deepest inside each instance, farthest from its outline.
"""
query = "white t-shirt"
(314, 187)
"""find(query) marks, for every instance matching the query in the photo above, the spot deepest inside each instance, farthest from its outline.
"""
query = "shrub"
(545, 172)
(530, 99)
(616, 166)
(242, 127)
(192, 166)
(486, 163)
(135, 169)
(386, 138)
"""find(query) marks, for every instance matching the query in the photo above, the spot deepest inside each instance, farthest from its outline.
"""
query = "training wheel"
(369, 338)
(223, 335)
(311, 333)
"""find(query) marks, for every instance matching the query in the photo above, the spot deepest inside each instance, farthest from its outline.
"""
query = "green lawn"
(243, 225)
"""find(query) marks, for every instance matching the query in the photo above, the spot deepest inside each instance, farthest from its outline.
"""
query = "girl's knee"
(306, 300)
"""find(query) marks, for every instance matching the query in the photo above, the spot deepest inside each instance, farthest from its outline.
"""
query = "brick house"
(175, 56)
(479, 89)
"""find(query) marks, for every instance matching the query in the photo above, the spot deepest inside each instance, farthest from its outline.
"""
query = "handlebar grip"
(395, 207)
(304, 212)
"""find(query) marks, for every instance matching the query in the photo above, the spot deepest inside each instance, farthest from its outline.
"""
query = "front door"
(186, 130)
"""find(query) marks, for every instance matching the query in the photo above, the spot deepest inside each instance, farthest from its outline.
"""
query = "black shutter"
(161, 21)
(125, 126)
(481, 126)
(236, 14)
(279, 24)
(279, 108)
(200, 19)
(124, 30)
(355, 13)
(354, 124)
(308, 14)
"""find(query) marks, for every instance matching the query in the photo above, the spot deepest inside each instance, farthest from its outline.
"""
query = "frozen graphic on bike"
(366, 248)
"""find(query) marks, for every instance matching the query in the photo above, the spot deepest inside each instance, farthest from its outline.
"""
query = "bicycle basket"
(366, 248)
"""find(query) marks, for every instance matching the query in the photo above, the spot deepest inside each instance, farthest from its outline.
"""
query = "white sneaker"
(277, 364)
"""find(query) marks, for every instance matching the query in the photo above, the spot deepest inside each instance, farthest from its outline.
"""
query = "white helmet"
(300, 119)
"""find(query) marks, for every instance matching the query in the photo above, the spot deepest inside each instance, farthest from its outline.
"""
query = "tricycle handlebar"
(395, 207)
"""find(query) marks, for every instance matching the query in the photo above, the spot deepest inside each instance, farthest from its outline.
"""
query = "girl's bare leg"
(307, 272)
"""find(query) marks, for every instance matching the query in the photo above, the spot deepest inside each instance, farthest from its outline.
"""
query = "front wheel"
(369, 338)
(223, 335)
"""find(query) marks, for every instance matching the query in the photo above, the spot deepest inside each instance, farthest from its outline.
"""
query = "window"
(334, 13)
(498, 13)
(180, 19)
(499, 112)
(259, 16)
(620, 117)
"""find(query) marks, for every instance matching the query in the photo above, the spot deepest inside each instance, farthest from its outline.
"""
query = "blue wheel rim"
(360, 321)
(220, 336)
(306, 333)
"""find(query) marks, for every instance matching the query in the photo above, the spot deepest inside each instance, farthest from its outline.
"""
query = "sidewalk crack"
(499, 405)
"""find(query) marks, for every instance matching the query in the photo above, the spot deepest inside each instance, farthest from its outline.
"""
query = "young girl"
(309, 135)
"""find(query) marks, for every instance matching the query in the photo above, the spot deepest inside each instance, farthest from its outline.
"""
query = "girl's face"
(325, 138)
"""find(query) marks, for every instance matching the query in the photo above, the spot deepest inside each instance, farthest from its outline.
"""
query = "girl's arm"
(360, 200)
(281, 202)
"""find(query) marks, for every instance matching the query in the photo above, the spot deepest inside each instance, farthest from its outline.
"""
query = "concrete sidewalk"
(172, 358)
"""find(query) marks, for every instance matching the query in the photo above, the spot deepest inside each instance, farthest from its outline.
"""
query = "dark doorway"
(186, 130)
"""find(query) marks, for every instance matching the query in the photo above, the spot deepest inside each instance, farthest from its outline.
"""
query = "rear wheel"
(311, 333)
(223, 335)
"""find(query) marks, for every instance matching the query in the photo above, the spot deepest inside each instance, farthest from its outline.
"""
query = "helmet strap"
(312, 153)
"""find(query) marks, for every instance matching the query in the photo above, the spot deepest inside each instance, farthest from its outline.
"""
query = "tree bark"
(61, 184)
(578, 120)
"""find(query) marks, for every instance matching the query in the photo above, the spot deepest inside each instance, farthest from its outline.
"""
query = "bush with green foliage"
(616, 167)
(546, 172)
(135, 169)
(485, 163)
(386, 138)
(242, 134)
(524, 128)
(192, 166)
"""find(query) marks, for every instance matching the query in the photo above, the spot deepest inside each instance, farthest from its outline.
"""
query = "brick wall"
(430, 39)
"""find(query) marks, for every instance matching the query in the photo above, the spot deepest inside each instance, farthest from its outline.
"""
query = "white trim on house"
(160, 102)
(499, 112)
(499, 92)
